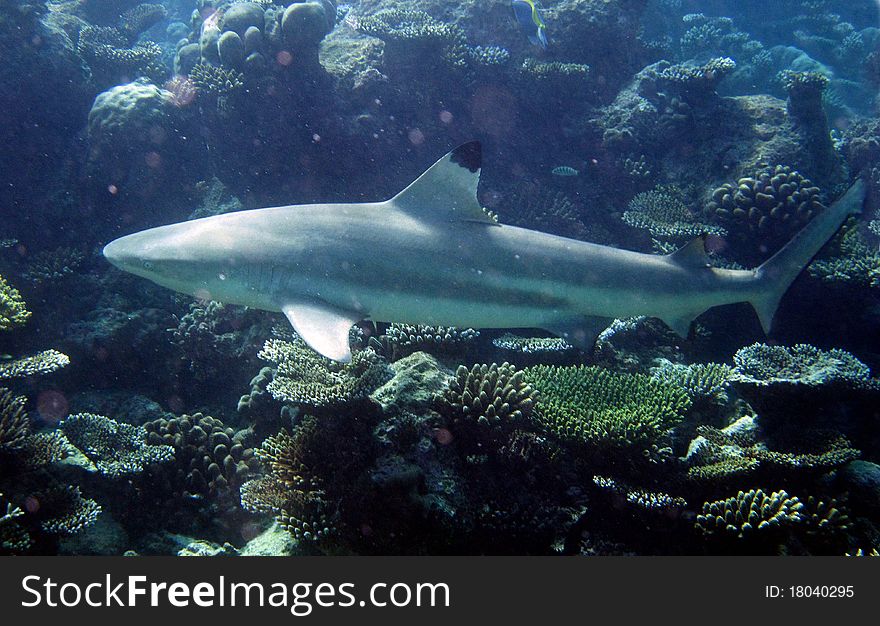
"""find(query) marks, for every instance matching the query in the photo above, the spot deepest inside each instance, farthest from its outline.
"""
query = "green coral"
(554, 70)
(750, 512)
(532, 345)
(700, 380)
(492, 395)
(599, 407)
(13, 312)
(107, 52)
(405, 339)
(663, 214)
(407, 31)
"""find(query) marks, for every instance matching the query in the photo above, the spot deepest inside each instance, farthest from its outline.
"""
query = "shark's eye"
(148, 265)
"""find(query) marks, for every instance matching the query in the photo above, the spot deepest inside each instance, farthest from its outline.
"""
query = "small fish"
(530, 22)
(564, 170)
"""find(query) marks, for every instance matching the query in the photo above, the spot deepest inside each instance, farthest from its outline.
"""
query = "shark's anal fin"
(581, 332)
(323, 326)
(447, 191)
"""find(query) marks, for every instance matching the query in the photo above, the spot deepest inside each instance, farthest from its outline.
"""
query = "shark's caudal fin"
(447, 191)
(777, 273)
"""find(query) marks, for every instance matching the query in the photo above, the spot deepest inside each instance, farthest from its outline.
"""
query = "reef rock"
(417, 378)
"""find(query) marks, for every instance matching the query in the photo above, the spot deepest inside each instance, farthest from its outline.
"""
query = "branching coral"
(292, 491)
(851, 261)
(405, 339)
(802, 364)
(62, 510)
(599, 408)
(306, 378)
(494, 396)
(764, 210)
(106, 51)
(52, 265)
(209, 457)
(662, 213)
(141, 18)
(117, 449)
(14, 423)
(750, 512)
(13, 311)
(14, 539)
(44, 362)
(216, 83)
(532, 345)
(648, 500)
(700, 380)
(555, 71)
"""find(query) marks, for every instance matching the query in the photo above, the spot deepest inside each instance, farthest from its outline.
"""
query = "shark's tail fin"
(776, 274)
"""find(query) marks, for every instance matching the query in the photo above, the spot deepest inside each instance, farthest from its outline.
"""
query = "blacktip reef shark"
(433, 255)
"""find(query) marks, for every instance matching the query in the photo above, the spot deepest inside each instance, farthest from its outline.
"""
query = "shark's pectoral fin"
(324, 327)
(581, 332)
(447, 191)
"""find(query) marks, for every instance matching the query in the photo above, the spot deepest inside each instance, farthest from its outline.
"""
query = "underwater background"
(134, 420)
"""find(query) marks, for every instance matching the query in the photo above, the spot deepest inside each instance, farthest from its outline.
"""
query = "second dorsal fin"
(692, 254)
(447, 191)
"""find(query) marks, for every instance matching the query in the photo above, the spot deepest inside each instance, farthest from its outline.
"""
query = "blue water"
(164, 423)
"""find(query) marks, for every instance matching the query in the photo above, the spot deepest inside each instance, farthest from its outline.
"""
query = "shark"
(433, 255)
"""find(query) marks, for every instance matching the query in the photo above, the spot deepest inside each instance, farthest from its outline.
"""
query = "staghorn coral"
(408, 34)
(140, 19)
(14, 539)
(761, 212)
(599, 408)
(292, 491)
(405, 339)
(52, 265)
(493, 396)
(107, 52)
(13, 312)
(209, 457)
(117, 449)
(851, 259)
(648, 500)
(306, 378)
(532, 345)
(696, 83)
(14, 423)
(216, 83)
(44, 362)
(825, 517)
(555, 71)
(62, 510)
(42, 449)
(663, 214)
(750, 512)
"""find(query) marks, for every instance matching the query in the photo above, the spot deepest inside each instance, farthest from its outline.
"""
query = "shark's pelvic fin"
(324, 327)
(447, 191)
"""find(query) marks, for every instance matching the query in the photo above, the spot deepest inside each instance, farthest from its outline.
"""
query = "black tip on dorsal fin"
(468, 155)
(692, 254)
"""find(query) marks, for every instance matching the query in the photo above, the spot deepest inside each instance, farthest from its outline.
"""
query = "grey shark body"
(431, 255)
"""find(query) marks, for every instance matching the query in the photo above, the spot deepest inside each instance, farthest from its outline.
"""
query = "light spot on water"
(112, 189)
(416, 137)
(52, 406)
(221, 276)
(446, 117)
(284, 58)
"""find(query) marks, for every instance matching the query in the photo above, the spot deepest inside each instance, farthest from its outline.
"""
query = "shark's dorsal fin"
(323, 326)
(447, 191)
(692, 254)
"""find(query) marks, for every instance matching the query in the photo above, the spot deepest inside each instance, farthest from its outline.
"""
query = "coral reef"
(14, 423)
(305, 378)
(13, 311)
(605, 410)
(663, 214)
(404, 339)
(754, 511)
(763, 211)
(117, 449)
(209, 457)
